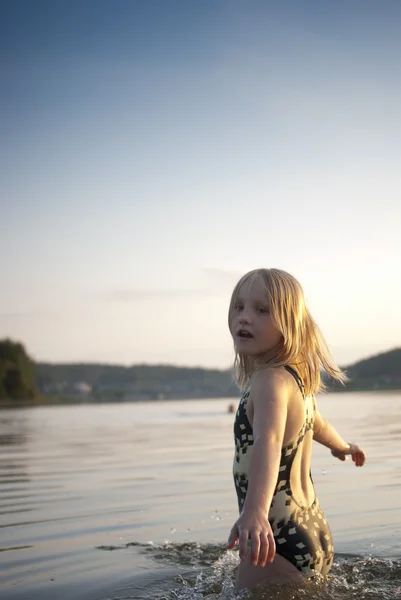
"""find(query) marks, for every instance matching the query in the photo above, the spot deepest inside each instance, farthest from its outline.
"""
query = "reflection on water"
(118, 477)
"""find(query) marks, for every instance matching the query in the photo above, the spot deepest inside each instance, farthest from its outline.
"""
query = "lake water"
(121, 501)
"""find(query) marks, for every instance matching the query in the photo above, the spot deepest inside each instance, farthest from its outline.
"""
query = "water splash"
(211, 576)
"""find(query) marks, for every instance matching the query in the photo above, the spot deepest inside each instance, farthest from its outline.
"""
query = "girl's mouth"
(244, 334)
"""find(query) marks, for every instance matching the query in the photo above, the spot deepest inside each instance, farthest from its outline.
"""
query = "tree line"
(17, 372)
(23, 381)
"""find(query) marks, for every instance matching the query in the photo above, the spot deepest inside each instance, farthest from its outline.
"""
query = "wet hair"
(302, 345)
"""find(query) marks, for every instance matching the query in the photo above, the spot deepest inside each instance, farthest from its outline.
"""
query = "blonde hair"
(303, 345)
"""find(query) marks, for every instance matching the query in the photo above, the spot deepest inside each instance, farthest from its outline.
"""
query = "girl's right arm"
(327, 435)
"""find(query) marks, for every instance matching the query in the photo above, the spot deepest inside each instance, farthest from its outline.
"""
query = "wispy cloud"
(217, 281)
(223, 277)
(131, 295)
(24, 314)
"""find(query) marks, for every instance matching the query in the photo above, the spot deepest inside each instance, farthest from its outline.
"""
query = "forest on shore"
(24, 382)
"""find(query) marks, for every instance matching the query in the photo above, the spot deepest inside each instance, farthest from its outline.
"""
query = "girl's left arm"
(270, 393)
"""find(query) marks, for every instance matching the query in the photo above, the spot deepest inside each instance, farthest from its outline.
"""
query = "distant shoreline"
(52, 384)
(74, 401)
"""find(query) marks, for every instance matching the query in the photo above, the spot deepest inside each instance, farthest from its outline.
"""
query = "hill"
(146, 382)
(138, 382)
(24, 382)
(382, 371)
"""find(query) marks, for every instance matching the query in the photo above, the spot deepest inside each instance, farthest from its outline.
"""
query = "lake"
(121, 501)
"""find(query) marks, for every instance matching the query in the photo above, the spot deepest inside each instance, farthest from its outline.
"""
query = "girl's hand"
(358, 455)
(253, 526)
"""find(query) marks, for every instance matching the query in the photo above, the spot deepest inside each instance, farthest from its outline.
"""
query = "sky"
(153, 151)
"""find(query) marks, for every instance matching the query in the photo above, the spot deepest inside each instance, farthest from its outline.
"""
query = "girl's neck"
(261, 362)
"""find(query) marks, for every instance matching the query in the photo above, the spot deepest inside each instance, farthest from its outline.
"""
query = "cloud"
(132, 295)
(223, 277)
(217, 281)
(24, 314)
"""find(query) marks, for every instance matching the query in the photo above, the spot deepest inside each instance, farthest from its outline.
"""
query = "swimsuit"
(301, 533)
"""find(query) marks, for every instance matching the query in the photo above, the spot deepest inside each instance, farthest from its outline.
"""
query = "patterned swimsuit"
(301, 533)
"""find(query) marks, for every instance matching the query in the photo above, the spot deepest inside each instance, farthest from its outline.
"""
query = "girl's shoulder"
(273, 382)
(275, 377)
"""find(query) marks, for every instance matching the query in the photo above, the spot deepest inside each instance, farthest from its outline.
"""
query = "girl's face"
(252, 327)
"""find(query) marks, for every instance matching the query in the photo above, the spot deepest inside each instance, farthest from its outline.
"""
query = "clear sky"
(152, 151)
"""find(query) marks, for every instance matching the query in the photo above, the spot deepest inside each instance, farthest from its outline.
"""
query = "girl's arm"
(270, 393)
(327, 435)
(270, 405)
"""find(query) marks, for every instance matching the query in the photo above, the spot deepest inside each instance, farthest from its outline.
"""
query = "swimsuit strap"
(297, 378)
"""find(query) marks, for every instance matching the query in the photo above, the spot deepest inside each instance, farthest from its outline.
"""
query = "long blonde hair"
(303, 345)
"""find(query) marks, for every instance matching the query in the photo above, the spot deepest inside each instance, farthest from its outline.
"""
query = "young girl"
(279, 352)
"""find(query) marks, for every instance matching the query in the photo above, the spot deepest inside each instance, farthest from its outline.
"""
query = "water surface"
(136, 501)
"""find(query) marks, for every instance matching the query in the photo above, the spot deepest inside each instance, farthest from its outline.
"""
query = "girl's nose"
(244, 317)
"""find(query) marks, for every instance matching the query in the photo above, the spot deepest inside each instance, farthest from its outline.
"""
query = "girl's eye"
(238, 307)
(264, 311)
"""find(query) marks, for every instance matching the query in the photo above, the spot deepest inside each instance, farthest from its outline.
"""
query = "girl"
(278, 354)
